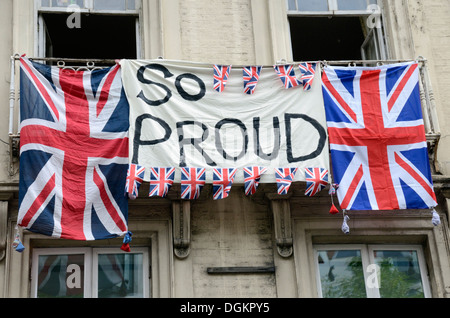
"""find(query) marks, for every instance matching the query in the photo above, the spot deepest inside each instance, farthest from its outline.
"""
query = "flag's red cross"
(162, 181)
(78, 147)
(376, 137)
(192, 182)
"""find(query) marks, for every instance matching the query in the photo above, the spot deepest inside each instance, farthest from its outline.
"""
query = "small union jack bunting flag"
(316, 180)
(251, 77)
(284, 177)
(308, 71)
(192, 182)
(252, 175)
(221, 74)
(135, 176)
(161, 180)
(287, 75)
(223, 179)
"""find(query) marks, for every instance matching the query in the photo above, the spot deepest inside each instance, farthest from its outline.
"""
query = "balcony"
(426, 94)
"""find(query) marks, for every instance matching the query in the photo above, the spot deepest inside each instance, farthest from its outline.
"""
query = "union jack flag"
(316, 180)
(284, 178)
(161, 180)
(74, 152)
(251, 78)
(287, 75)
(221, 74)
(308, 72)
(192, 182)
(377, 137)
(252, 176)
(135, 177)
(223, 179)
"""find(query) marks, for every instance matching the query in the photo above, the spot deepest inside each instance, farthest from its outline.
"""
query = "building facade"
(265, 246)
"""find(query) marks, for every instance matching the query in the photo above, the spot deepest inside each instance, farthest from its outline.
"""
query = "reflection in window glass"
(360, 5)
(400, 274)
(109, 5)
(66, 3)
(341, 274)
(61, 276)
(318, 5)
(120, 275)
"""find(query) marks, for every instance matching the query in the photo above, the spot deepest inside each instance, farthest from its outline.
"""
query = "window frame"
(135, 250)
(89, 8)
(90, 266)
(332, 10)
(374, 35)
(367, 258)
(40, 28)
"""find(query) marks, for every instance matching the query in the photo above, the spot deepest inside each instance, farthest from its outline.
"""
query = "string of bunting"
(194, 179)
(251, 75)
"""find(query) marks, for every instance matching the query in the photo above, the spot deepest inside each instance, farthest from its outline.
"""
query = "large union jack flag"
(192, 182)
(287, 75)
(161, 180)
(377, 137)
(221, 74)
(251, 78)
(223, 179)
(74, 152)
(316, 180)
(284, 178)
(252, 176)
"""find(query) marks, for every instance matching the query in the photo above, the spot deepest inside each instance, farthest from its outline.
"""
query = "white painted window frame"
(90, 266)
(89, 8)
(135, 250)
(332, 10)
(374, 35)
(367, 258)
(40, 42)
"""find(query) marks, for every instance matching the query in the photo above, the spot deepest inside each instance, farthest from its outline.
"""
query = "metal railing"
(431, 122)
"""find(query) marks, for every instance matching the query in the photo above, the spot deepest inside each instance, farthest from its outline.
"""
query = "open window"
(89, 29)
(336, 30)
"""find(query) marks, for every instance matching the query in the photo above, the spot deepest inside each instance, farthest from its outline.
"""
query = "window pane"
(131, 5)
(317, 5)
(341, 274)
(352, 5)
(399, 274)
(66, 3)
(109, 5)
(61, 276)
(120, 275)
(292, 5)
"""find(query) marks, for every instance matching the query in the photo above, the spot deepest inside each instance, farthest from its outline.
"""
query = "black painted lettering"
(243, 130)
(193, 141)
(137, 142)
(316, 125)
(142, 79)
(276, 138)
(185, 95)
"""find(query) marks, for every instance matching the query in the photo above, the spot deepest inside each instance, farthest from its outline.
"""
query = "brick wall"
(236, 231)
(217, 31)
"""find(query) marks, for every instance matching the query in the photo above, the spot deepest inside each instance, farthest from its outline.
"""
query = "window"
(89, 29)
(374, 271)
(336, 30)
(90, 272)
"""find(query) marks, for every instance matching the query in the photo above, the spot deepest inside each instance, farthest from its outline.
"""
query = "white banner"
(177, 119)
